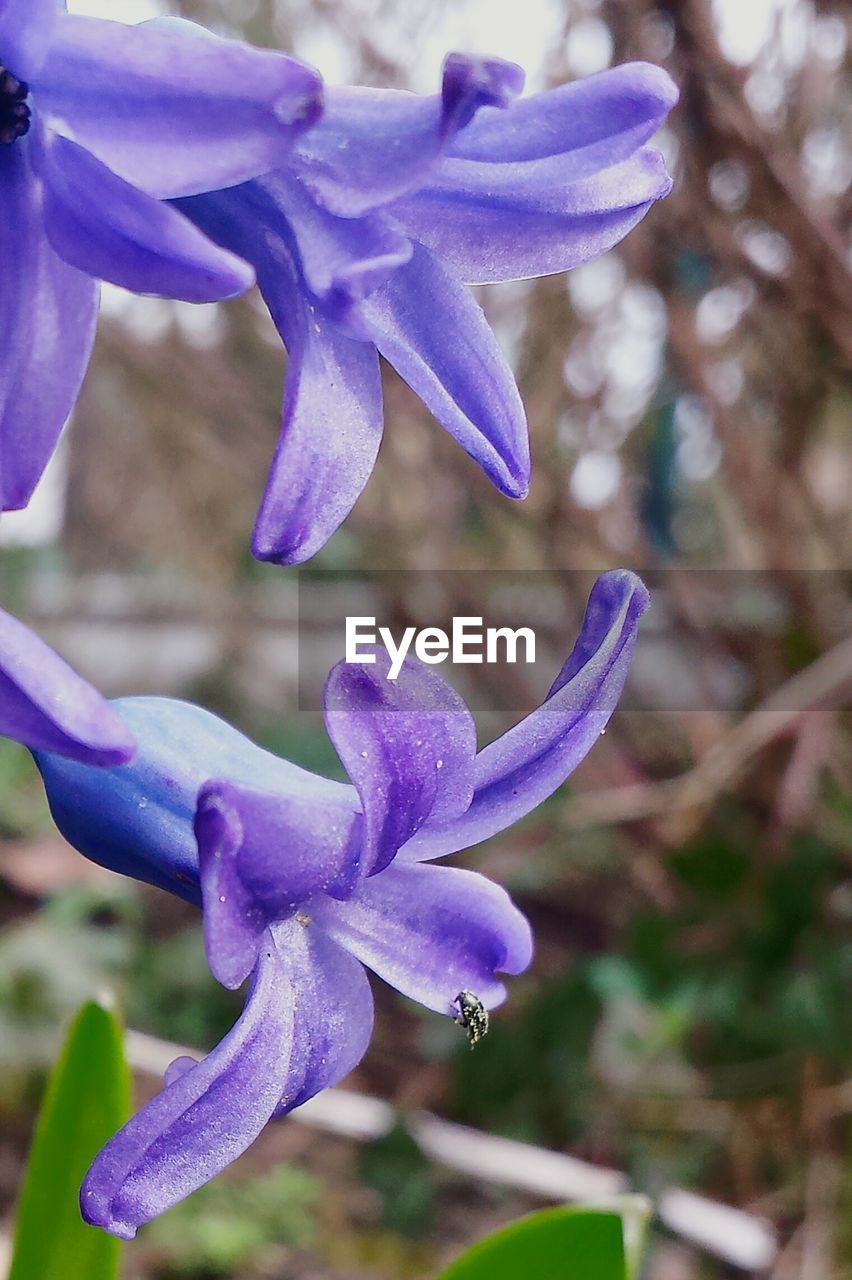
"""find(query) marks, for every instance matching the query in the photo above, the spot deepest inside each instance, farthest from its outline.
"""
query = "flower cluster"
(304, 880)
(172, 162)
(365, 240)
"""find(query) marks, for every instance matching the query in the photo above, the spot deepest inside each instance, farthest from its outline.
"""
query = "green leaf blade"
(87, 1099)
(556, 1244)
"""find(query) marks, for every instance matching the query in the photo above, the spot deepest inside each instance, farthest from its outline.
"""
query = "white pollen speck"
(439, 764)
(221, 897)
(363, 755)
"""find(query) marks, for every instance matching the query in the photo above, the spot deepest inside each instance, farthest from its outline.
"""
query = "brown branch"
(726, 760)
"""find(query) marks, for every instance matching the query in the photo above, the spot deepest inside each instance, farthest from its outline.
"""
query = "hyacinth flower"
(47, 706)
(303, 880)
(99, 123)
(365, 241)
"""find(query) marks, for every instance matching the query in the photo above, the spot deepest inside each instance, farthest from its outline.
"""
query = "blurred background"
(686, 1021)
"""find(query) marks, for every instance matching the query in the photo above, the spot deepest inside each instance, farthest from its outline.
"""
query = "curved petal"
(592, 123)
(331, 429)
(407, 744)
(334, 1011)
(432, 932)
(138, 820)
(340, 260)
(171, 111)
(512, 222)
(26, 28)
(515, 773)
(48, 311)
(47, 706)
(426, 324)
(374, 144)
(99, 223)
(333, 1016)
(332, 417)
(260, 857)
(204, 1118)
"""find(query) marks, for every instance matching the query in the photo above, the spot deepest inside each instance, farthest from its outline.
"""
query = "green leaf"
(556, 1244)
(87, 1099)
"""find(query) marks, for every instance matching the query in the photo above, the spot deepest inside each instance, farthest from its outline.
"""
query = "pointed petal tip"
(120, 749)
(659, 180)
(271, 549)
(234, 277)
(469, 83)
(301, 112)
(628, 584)
(513, 476)
(650, 86)
(97, 1212)
(657, 84)
(519, 953)
(178, 1067)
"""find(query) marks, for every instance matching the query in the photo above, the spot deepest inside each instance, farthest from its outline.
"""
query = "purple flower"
(364, 241)
(48, 707)
(99, 122)
(303, 881)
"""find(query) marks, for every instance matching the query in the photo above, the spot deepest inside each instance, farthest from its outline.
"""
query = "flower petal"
(518, 771)
(374, 144)
(104, 226)
(171, 111)
(426, 324)
(332, 416)
(138, 820)
(340, 260)
(492, 222)
(407, 744)
(331, 429)
(26, 27)
(48, 311)
(204, 1118)
(597, 122)
(334, 1011)
(47, 706)
(261, 855)
(432, 932)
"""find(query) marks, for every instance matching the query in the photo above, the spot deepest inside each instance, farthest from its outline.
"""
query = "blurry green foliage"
(766, 966)
(224, 1226)
(52, 961)
(396, 1168)
(174, 994)
(725, 996)
(23, 808)
(87, 1099)
(303, 739)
